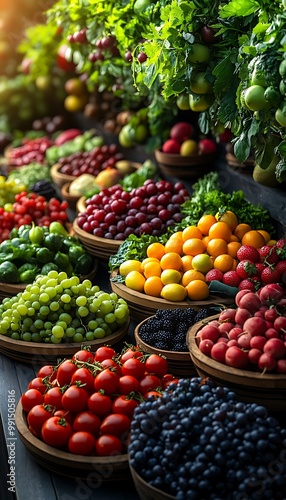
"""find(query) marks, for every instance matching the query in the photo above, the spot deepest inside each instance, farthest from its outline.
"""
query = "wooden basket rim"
(155, 492)
(94, 240)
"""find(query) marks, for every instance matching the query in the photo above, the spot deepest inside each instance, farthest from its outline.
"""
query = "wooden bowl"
(185, 167)
(142, 306)
(179, 363)
(146, 491)
(80, 205)
(58, 178)
(11, 289)
(40, 353)
(252, 387)
(67, 464)
(246, 167)
(102, 248)
(72, 199)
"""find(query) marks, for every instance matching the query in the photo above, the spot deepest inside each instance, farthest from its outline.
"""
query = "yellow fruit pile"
(177, 269)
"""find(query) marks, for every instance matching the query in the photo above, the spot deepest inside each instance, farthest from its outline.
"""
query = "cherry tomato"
(85, 377)
(45, 371)
(107, 380)
(81, 443)
(30, 398)
(104, 352)
(65, 372)
(110, 363)
(56, 432)
(83, 355)
(128, 384)
(67, 415)
(156, 394)
(134, 367)
(125, 405)
(37, 383)
(131, 352)
(75, 399)
(87, 421)
(53, 397)
(149, 383)
(157, 365)
(108, 445)
(115, 424)
(37, 416)
(168, 377)
(99, 403)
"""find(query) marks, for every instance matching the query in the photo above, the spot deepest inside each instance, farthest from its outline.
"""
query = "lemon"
(128, 266)
(174, 292)
(170, 276)
(202, 262)
(135, 281)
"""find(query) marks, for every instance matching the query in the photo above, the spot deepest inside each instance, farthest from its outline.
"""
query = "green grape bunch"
(59, 309)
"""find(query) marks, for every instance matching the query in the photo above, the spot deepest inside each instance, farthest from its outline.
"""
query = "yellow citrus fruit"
(253, 238)
(174, 245)
(170, 276)
(272, 242)
(128, 266)
(220, 230)
(194, 246)
(205, 222)
(232, 248)
(224, 263)
(177, 234)
(202, 262)
(174, 292)
(191, 232)
(241, 229)
(156, 250)
(171, 260)
(187, 262)
(229, 217)
(135, 281)
(153, 286)
(152, 269)
(147, 260)
(197, 290)
(216, 247)
(265, 234)
(192, 275)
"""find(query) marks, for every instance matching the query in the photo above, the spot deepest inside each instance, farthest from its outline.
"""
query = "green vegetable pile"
(33, 250)
(84, 142)
(30, 174)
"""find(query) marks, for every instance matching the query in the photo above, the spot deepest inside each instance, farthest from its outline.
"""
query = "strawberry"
(214, 274)
(248, 252)
(281, 243)
(281, 266)
(259, 266)
(252, 284)
(231, 278)
(245, 269)
(268, 255)
(270, 275)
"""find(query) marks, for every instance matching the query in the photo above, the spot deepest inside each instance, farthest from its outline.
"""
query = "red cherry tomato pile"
(85, 405)
(31, 207)
(31, 150)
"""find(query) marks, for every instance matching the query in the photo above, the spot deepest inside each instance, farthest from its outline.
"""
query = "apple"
(189, 148)
(182, 131)
(207, 146)
(171, 146)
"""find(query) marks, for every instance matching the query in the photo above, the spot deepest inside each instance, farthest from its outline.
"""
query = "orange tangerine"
(177, 234)
(265, 234)
(174, 292)
(156, 250)
(187, 262)
(135, 281)
(202, 262)
(152, 269)
(240, 230)
(216, 247)
(205, 222)
(229, 217)
(170, 276)
(206, 239)
(224, 263)
(174, 245)
(171, 260)
(234, 238)
(232, 248)
(253, 238)
(197, 290)
(220, 230)
(191, 232)
(192, 275)
(194, 246)
(153, 286)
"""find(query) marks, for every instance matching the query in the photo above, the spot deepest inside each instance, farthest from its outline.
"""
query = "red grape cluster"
(28, 208)
(31, 150)
(90, 162)
(149, 209)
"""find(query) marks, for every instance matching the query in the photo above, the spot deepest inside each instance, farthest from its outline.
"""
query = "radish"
(218, 352)
(258, 342)
(223, 339)
(227, 315)
(232, 342)
(271, 294)
(205, 347)
(280, 324)
(242, 315)
(225, 327)
(234, 333)
(236, 357)
(250, 301)
(209, 332)
(255, 326)
(254, 355)
(281, 366)
(271, 314)
(239, 295)
(243, 341)
(267, 362)
(275, 347)
(271, 333)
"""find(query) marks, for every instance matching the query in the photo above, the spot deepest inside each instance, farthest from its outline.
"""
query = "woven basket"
(58, 178)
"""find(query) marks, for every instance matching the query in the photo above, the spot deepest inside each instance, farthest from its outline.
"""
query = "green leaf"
(239, 8)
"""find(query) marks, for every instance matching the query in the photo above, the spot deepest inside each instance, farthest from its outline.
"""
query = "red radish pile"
(252, 336)
(85, 404)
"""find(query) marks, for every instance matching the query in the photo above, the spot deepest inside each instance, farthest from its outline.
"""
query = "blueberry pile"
(168, 328)
(198, 441)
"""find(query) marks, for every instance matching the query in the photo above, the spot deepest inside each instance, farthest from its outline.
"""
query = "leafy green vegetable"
(147, 171)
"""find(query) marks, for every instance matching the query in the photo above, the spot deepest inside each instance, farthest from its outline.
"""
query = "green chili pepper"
(28, 273)
(36, 234)
(57, 228)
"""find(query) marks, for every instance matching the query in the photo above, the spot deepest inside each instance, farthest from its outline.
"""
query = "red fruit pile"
(90, 162)
(85, 405)
(252, 336)
(30, 151)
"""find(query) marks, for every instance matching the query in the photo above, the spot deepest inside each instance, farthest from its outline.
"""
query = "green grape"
(106, 307)
(65, 317)
(26, 295)
(65, 298)
(27, 336)
(81, 300)
(75, 323)
(27, 322)
(44, 298)
(51, 291)
(28, 303)
(86, 283)
(53, 275)
(74, 280)
(14, 327)
(121, 301)
(99, 333)
(39, 324)
(92, 324)
(96, 303)
(36, 305)
(110, 318)
(89, 335)
(59, 289)
(55, 340)
(15, 314)
(94, 289)
(36, 337)
(113, 326)
(104, 296)
(120, 312)
(81, 330)
(5, 324)
(48, 325)
(75, 289)
(51, 283)
(58, 331)
(44, 310)
(70, 332)
(31, 311)
(54, 306)
(78, 337)
(66, 283)
(15, 336)
(122, 321)
(62, 276)
(67, 307)
(62, 324)
(53, 317)
(33, 328)
(83, 311)
(35, 290)
(113, 296)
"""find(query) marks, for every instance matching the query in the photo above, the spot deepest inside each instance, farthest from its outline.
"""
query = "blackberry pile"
(168, 328)
(198, 441)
